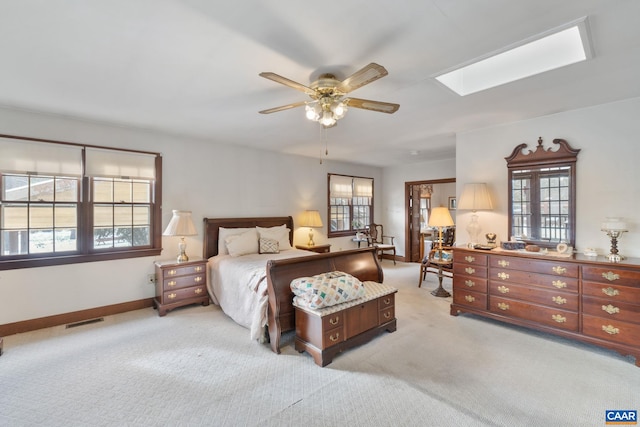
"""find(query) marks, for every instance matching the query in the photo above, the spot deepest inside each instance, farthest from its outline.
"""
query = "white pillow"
(223, 233)
(279, 233)
(242, 244)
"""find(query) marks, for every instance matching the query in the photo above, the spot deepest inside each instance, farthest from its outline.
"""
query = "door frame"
(407, 211)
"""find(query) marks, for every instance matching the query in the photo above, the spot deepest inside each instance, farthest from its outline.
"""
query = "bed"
(241, 285)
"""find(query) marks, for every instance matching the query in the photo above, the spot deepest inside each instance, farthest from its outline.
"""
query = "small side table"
(359, 241)
(321, 249)
(440, 291)
(180, 283)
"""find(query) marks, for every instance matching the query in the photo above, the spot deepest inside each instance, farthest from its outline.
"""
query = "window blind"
(32, 157)
(119, 164)
(341, 187)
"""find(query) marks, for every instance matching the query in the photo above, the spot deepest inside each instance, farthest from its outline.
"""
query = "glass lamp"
(475, 197)
(311, 219)
(181, 225)
(614, 227)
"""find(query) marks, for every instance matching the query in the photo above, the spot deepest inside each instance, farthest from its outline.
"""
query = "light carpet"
(195, 366)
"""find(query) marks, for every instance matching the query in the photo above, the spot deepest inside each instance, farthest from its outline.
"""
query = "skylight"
(553, 49)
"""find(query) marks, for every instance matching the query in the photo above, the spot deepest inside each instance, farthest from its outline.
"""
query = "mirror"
(542, 194)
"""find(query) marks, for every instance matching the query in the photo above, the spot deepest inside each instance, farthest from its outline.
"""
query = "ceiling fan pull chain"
(321, 144)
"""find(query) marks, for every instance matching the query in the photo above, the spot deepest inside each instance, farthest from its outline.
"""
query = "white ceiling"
(190, 67)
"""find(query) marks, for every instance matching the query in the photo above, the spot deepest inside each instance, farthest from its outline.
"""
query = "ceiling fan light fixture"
(327, 119)
(312, 111)
(338, 108)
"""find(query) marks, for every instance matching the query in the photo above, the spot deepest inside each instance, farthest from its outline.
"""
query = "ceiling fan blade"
(366, 104)
(364, 76)
(282, 108)
(285, 81)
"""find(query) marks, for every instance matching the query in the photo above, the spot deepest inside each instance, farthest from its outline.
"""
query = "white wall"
(608, 178)
(393, 203)
(210, 179)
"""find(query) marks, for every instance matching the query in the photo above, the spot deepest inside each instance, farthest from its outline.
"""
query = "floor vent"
(85, 322)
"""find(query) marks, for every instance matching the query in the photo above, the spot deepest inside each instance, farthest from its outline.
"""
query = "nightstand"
(321, 249)
(180, 283)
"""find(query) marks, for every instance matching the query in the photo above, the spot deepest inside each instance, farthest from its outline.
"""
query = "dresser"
(179, 284)
(587, 299)
(325, 332)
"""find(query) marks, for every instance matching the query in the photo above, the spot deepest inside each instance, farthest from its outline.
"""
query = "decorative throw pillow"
(326, 289)
(223, 233)
(279, 233)
(242, 244)
(269, 246)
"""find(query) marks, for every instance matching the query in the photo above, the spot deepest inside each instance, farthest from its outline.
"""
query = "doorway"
(420, 197)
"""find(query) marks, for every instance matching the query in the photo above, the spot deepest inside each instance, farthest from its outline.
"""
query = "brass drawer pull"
(559, 284)
(198, 269)
(171, 283)
(610, 309)
(558, 318)
(198, 291)
(335, 338)
(503, 263)
(559, 300)
(198, 279)
(172, 296)
(470, 283)
(503, 306)
(610, 291)
(469, 258)
(470, 270)
(559, 270)
(335, 320)
(503, 289)
(172, 272)
(386, 301)
(610, 276)
(469, 298)
(387, 315)
(610, 329)
(502, 275)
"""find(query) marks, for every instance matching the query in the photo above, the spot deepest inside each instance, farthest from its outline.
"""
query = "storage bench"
(325, 332)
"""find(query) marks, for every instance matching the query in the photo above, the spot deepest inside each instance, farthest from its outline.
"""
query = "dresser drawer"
(470, 299)
(566, 284)
(548, 316)
(185, 293)
(386, 315)
(611, 275)
(563, 269)
(548, 297)
(332, 337)
(334, 320)
(183, 271)
(469, 258)
(611, 330)
(469, 270)
(469, 283)
(608, 309)
(611, 292)
(183, 281)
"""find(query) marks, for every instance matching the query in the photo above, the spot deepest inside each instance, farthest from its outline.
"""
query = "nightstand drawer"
(182, 294)
(184, 281)
(183, 271)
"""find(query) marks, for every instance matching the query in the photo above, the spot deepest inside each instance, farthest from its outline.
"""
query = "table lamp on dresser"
(181, 225)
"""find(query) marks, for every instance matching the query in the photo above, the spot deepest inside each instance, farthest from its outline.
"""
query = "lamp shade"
(475, 197)
(440, 217)
(311, 218)
(181, 224)
(613, 224)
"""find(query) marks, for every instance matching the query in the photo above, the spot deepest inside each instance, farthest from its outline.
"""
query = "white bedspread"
(239, 286)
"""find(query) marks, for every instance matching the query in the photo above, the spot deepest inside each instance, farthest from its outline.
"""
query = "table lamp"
(475, 197)
(311, 219)
(614, 227)
(181, 225)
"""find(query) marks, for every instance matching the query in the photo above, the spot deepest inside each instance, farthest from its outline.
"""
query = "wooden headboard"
(212, 229)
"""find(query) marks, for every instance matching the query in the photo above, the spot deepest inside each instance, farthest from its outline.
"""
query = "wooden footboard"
(360, 263)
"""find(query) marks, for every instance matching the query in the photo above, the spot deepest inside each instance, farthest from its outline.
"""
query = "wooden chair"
(426, 266)
(380, 241)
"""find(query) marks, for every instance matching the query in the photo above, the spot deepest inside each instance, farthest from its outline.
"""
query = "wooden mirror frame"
(538, 160)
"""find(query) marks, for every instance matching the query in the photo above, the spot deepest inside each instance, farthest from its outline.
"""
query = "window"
(350, 204)
(63, 203)
(542, 190)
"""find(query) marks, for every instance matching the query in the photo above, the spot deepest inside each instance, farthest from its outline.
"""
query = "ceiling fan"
(329, 101)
